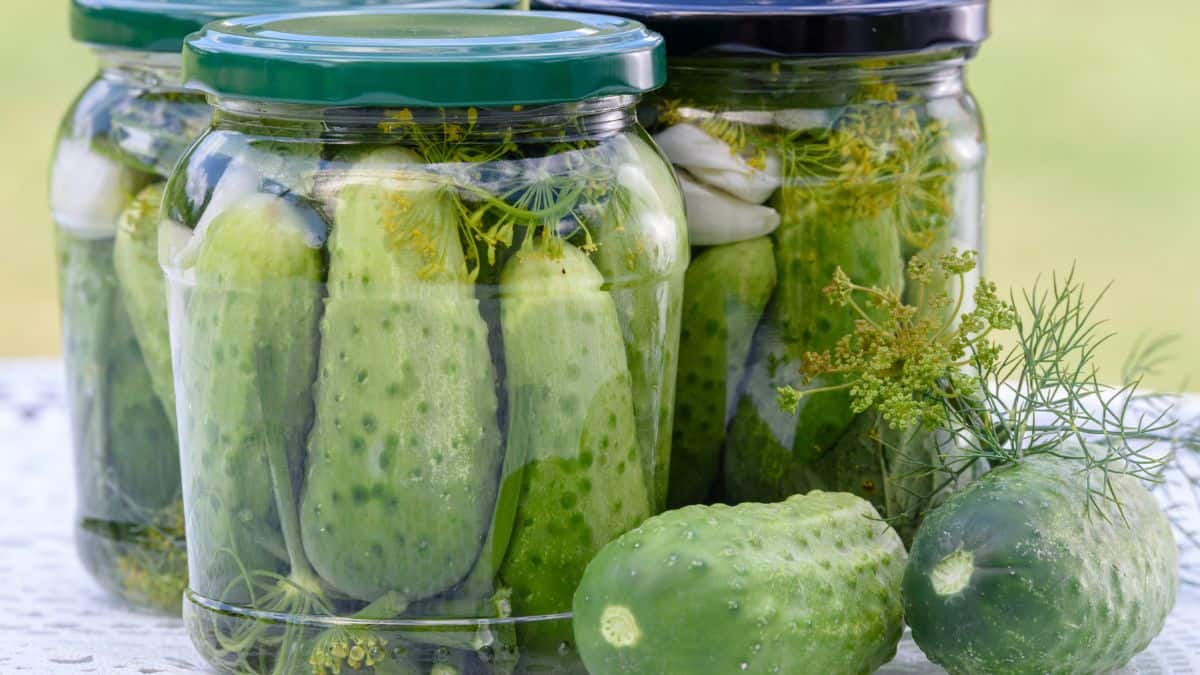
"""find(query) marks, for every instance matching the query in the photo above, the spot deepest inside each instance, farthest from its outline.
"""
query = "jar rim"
(425, 58)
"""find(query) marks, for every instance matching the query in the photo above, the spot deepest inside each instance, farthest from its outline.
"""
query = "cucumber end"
(953, 573)
(619, 627)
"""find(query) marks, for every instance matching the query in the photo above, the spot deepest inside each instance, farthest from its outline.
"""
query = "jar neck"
(925, 75)
(595, 118)
(152, 70)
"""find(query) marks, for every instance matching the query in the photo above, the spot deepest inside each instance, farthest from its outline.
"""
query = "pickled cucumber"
(765, 448)
(128, 459)
(143, 289)
(249, 338)
(643, 260)
(572, 417)
(403, 459)
(725, 293)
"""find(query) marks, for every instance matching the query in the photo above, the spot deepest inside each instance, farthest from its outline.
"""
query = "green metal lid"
(424, 58)
(161, 25)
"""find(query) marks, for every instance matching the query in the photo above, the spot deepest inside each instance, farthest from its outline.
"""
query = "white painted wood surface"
(53, 619)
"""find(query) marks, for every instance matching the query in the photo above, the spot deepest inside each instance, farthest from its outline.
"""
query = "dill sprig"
(538, 192)
(1041, 396)
(905, 365)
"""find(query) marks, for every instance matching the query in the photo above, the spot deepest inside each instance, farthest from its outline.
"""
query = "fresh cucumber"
(1018, 574)
(808, 585)
(572, 418)
(725, 293)
(404, 455)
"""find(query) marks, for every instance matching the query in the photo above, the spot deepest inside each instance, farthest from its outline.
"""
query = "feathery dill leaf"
(1041, 396)
(559, 184)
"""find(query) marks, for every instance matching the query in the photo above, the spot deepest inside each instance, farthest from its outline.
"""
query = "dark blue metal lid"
(801, 27)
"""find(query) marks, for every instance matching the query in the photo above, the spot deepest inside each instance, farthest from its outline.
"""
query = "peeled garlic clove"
(799, 119)
(89, 191)
(687, 145)
(713, 162)
(755, 185)
(752, 117)
(717, 218)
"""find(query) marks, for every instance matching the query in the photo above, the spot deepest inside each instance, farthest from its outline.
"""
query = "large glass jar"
(115, 148)
(809, 136)
(425, 277)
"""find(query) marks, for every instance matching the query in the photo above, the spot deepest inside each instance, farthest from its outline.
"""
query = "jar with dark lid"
(425, 273)
(810, 136)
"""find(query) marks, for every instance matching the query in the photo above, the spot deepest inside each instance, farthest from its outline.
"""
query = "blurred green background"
(1091, 110)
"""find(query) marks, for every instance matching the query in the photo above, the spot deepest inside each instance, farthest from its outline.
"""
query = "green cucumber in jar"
(765, 448)
(812, 242)
(808, 585)
(571, 399)
(404, 455)
(135, 256)
(129, 461)
(1024, 571)
(144, 452)
(726, 291)
(643, 256)
(247, 361)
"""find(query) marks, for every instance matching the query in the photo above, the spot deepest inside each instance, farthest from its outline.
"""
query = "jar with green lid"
(425, 274)
(810, 135)
(115, 148)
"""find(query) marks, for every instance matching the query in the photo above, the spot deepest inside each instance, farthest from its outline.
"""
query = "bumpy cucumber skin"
(764, 446)
(572, 418)
(144, 290)
(127, 459)
(725, 294)
(1053, 590)
(643, 255)
(244, 376)
(404, 456)
(808, 585)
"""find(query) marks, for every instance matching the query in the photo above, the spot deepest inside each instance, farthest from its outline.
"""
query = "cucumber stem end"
(953, 573)
(619, 627)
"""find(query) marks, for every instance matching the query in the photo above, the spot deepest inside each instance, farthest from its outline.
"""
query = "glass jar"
(808, 137)
(115, 148)
(424, 287)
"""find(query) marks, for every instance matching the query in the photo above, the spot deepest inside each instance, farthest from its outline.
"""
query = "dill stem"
(832, 387)
(958, 304)
(861, 312)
